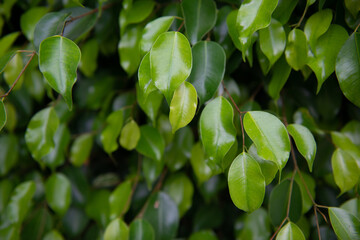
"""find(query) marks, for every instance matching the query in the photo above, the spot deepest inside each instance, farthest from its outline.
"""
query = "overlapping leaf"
(58, 193)
(116, 230)
(151, 143)
(296, 51)
(346, 225)
(290, 231)
(129, 50)
(141, 229)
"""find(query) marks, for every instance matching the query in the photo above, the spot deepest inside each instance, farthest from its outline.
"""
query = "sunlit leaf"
(290, 231)
(146, 84)
(116, 230)
(58, 193)
(346, 225)
(296, 49)
(29, 20)
(110, 134)
(119, 200)
(130, 135)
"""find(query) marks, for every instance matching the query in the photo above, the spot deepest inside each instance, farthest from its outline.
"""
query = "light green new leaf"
(326, 49)
(59, 58)
(272, 41)
(110, 134)
(7, 41)
(253, 15)
(5, 59)
(246, 183)
(304, 141)
(280, 74)
(269, 136)
(345, 170)
(9, 152)
(170, 62)
(144, 75)
(296, 51)
(116, 230)
(141, 229)
(200, 18)
(348, 69)
(317, 25)
(58, 193)
(152, 30)
(12, 71)
(2, 115)
(150, 104)
(345, 225)
(290, 232)
(208, 69)
(352, 206)
(183, 106)
(29, 20)
(353, 6)
(217, 129)
(81, 149)
(151, 143)
(342, 141)
(129, 50)
(198, 163)
(130, 135)
(40, 133)
(53, 235)
(119, 200)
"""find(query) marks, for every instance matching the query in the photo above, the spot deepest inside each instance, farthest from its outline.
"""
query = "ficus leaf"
(280, 74)
(141, 229)
(246, 183)
(5, 59)
(7, 41)
(59, 58)
(29, 19)
(110, 134)
(353, 6)
(198, 162)
(81, 149)
(151, 143)
(345, 225)
(119, 200)
(9, 153)
(146, 84)
(296, 51)
(58, 193)
(53, 235)
(2, 115)
(149, 104)
(116, 230)
(290, 232)
(130, 135)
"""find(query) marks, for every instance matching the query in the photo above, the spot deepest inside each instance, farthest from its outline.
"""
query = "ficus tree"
(192, 119)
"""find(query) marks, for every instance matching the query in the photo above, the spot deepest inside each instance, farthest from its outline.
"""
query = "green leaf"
(89, 54)
(253, 15)
(348, 69)
(345, 170)
(352, 131)
(7, 41)
(5, 59)
(12, 71)
(181, 190)
(81, 149)
(346, 225)
(53, 235)
(304, 141)
(116, 230)
(6, 187)
(49, 25)
(231, 24)
(141, 229)
(256, 226)
(279, 201)
(217, 129)
(152, 170)
(59, 58)
(9, 153)
(171, 62)
(129, 49)
(74, 222)
(97, 207)
(353, 6)
(200, 18)
(272, 41)
(149, 104)
(3, 117)
(269, 136)
(290, 231)
(284, 10)
(58, 193)
(152, 31)
(198, 163)
(208, 69)
(325, 52)
(352, 206)
(280, 74)
(40, 133)
(183, 106)
(146, 84)
(110, 134)
(162, 213)
(204, 234)
(130, 135)
(246, 183)
(317, 25)
(151, 144)
(119, 200)
(296, 49)
(29, 20)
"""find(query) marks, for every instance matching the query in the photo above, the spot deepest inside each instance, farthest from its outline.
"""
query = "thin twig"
(278, 229)
(357, 28)
(302, 17)
(181, 25)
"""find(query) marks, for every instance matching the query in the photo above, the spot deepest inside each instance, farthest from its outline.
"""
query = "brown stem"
(181, 25)
(19, 76)
(357, 28)
(302, 17)
(317, 222)
(278, 229)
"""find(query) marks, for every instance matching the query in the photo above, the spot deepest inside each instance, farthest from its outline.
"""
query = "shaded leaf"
(296, 49)
(146, 84)
(141, 229)
(290, 231)
(3, 117)
(9, 153)
(29, 20)
(130, 135)
(97, 207)
(150, 104)
(284, 10)
(119, 200)
(110, 134)
(204, 234)
(256, 226)
(7, 41)
(198, 162)
(12, 71)
(116, 230)
(151, 144)
(53, 235)
(346, 225)
(5, 59)
(352, 206)
(81, 149)
(353, 6)
(58, 193)
(280, 74)
(89, 54)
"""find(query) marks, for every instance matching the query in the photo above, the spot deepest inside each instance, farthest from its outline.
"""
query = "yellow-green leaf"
(290, 232)
(130, 135)
(345, 225)
(111, 132)
(81, 149)
(2, 115)
(296, 51)
(116, 230)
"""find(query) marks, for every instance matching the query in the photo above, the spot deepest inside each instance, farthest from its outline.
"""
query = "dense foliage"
(192, 119)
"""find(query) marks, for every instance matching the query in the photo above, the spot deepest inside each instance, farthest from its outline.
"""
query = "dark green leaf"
(284, 10)
(297, 49)
(110, 134)
(3, 117)
(151, 144)
(256, 226)
(75, 221)
(98, 207)
(346, 225)
(141, 229)
(58, 193)
(81, 149)
(280, 74)
(353, 6)
(89, 54)
(6, 187)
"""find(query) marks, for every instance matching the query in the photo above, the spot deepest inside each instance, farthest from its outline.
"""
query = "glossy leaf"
(149, 104)
(152, 30)
(217, 129)
(272, 41)
(304, 141)
(29, 19)
(343, 142)
(12, 71)
(81, 149)
(129, 50)
(297, 49)
(200, 18)
(208, 69)
(232, 29)
(3, 117)
(151, 144)
(9, 154)
(110, 134)
(116, 230)
(198, 162)
(59, 58)
(40, 133)
(141, 229)
(183, 106)
(253, 15)
(348, 68)
(53, 235)
(352, 206)
(146, 84)
(163, 215)
(171, 62)
(346, 171)
(119, 200)
(345, 225)
(246, 183)
(325, 52)
(280, 74)
(290, 232)
(269, 136)
(130, 135)
(58, 193)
